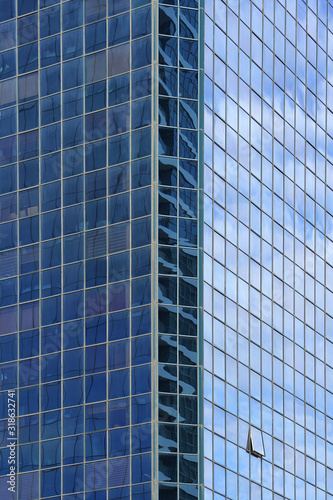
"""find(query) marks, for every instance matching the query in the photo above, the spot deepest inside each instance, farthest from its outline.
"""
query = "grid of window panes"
(177, 250)
(75, 230)
(268, 243)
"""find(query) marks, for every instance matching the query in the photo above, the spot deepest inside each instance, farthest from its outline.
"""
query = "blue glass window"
(95, 67)
(73, 420)
(141, 232)
(28, 145)
(141, 52)
(96, 214)
(95, 10)
(119, 442)
(73, 391)
(95, 126)
(73, 219)
(119, 267)
(119, 149)
(27, 29)
(119, 89)
(50, 138)
(8, 10)
(50, 80)
(168, 112)
(95, 330)
(95, 37)
(51, 339)
(50, 110)
(141, 22)
(73, 277)
(51, 396)
(29, 229)
(95, 96)
(141, 409)
(118, 6)
(141, 143)
(72, 73)
(96, 417)
(72, 161)
(73, 450)
(8, 208)
(141, 261)
(119, 208)
(141, 350)
(119, 29)
(141, 321)
(168, 21)
(119, 59)
(27, 87)
(119, 412)
(95, 154)
(188, 84)
(50, 167)
(168, 51)
(8, 122)
(26, 6)
(119, 179)
(119, 119)
(141, 173)
(8, 348)
(118, 384)
(72, 44)
(50, 51)
(141, 83)
(118, 325)
(29, 400)
(141, 113)
(29, 258)
(95, 185)
(72, 103)
(72, 478)
(72, 14)
(95, 359)
(141, 291)
(51, 310)
(7, 64)
(95, 388)
(72, 132)
(8, 95)
(96, 272)
(141, 201)
(49, 21)
(51, 482)
(141, 375)
(29, 284)
(51, 196)
(73, 190)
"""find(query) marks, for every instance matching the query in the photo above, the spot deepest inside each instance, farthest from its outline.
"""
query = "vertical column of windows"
(178, 251)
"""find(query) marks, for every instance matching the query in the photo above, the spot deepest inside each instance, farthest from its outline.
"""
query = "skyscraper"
(268, 249)
(85, 232)
(166, 249)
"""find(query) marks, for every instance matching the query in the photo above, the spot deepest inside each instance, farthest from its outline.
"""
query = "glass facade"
(99, 305)
(75, 246)
(166, 249)
(268, 249)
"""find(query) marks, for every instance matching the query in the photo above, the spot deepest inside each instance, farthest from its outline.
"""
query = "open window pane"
(255, 442)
